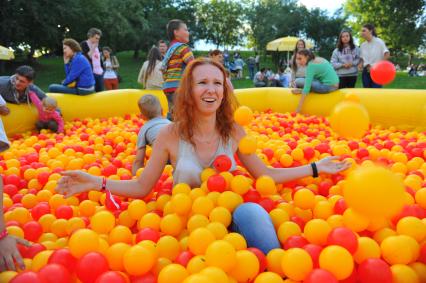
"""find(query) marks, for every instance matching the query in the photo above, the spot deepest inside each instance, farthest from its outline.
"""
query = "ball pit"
(180, 235)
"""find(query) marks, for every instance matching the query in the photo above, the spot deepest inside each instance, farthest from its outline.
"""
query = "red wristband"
(3, 234)
(104, 179)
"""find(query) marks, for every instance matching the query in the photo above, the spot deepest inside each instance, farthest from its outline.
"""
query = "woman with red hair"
(203, 128)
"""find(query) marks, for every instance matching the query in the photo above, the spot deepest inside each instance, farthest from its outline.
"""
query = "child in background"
(48, 117)
(151, 112)
(176, 59)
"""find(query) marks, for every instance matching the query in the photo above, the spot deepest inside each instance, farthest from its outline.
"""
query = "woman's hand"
(329, 166)
(66, 59)
(75, 182)
(9, 253)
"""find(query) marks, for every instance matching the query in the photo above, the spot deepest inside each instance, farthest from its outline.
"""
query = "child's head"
(49, 104)
(177, 30)
(150, 106)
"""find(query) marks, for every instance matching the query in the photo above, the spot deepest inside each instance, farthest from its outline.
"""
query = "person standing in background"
(111, 65)
(373, 50)
(162, 45)
(345, 60)
(90, 49)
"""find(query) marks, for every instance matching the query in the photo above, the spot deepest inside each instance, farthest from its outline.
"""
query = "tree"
(324, 30)
(400, 23)
(221, 22)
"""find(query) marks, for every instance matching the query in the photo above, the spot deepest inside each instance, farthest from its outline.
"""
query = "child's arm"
(57, 117)
(187, 55)
(8, 249)
(36, 101)
(139, 160)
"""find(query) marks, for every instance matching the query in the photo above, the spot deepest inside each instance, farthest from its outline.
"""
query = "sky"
(330, 5)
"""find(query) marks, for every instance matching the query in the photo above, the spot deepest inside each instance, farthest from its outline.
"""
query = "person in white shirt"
(150, 75)
(373, 50)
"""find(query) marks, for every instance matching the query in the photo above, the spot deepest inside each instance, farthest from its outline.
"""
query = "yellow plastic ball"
(168, 247)
(173, 273)
(296, 264)
(265, 185)
(400, 249)
(403, 274)
(199, 240)
(413, 227)
(374, 192)
(171, 224)
(120, 234)
(221, 254)
(240, 184)
(202, 205)
(137, 209)
(268, 277)
(304, 199)
(102, 222)
(355, 221)
(243, 115)
(236, 240)
(220, 214)
(115, 254)
(367, 248)
(181, 203)
(247, 145)
(337, 260)
(138, 260)
(246, 267)
(316, 231)
(288, 229)
(350, 119)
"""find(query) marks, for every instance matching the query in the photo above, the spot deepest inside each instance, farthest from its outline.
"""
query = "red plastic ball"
(27, 277)
(64, 258)
(146, 278)
(32, 231)
(33, 250)
(320, 276)
(91, 266)
(64, 212)
(10, 189)
(343, 237)
(39, 210)
(184, 257)
(314, 251)
(222, 163)
(383, 72)
(12, 179)
(216, 183)
(340, 206)
(374, 270)
(148, 234)
(43, 177)
(295, 242)
(111, 276)
(53, 273)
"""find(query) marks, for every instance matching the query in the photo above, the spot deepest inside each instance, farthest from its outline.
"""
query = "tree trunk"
(410, 59)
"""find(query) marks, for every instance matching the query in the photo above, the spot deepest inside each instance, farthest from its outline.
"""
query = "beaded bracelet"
(104, 180)
(3, 234)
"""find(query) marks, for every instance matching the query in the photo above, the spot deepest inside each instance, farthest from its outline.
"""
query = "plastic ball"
(172, 273)
(400, 249)
(64, 258)
(296, 264)
(52, 273)
(403, 273)
(221, 254)
(247, 145)
(367, 249)
(383, 72)
(374, 192)
(268, 277)
(138, 260)
(343, 237)
(413, 227)
(320, 276)
(222, 163)
(82, 242)
(374, 270)
(265, 185)
(246, 267)
(337, 260)
(111, 276)
(91, 266)
(316, 231)
(350, 120)
(243, 115)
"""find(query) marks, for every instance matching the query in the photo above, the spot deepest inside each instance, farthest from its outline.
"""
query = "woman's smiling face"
(207, 88)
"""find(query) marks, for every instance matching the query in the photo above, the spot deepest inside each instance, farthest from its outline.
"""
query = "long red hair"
(184, 108)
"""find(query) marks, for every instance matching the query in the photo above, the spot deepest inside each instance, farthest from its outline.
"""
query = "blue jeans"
(367, 81)
(170, 102)
(255, 225)
(316, 86)
(251, 71)
(99, 82)
(71, 90)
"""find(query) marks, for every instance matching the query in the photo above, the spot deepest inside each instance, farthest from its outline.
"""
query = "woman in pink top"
(48, 117)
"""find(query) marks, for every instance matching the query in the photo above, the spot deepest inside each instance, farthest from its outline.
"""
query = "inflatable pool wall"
(403, 109)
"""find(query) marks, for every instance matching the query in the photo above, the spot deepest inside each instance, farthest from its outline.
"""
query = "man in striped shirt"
(177, 57)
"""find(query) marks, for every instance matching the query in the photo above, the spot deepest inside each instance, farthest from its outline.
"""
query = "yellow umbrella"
(6, 53)
(286, 44)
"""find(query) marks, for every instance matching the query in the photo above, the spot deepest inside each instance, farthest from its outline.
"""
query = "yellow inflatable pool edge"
(403, 109)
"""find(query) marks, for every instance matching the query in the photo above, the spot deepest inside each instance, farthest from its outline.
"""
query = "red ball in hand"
(383, 72)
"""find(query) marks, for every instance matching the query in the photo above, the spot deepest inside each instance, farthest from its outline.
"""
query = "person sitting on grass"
(320, 76)
(260, 79)
(48, 116)
(203, 129)
(79, 77)
(151, 112)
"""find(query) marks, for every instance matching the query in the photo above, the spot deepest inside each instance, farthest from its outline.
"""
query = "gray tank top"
(188, 166)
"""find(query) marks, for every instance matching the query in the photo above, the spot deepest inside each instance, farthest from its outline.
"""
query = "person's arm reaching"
(139, 160)
(36, 101)
(9, 252)
(257, 168)
(75, 182)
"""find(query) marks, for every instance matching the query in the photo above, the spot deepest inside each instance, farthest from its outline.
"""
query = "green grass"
(50, 70)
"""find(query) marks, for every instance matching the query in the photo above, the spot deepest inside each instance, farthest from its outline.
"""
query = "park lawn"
(51, 70)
